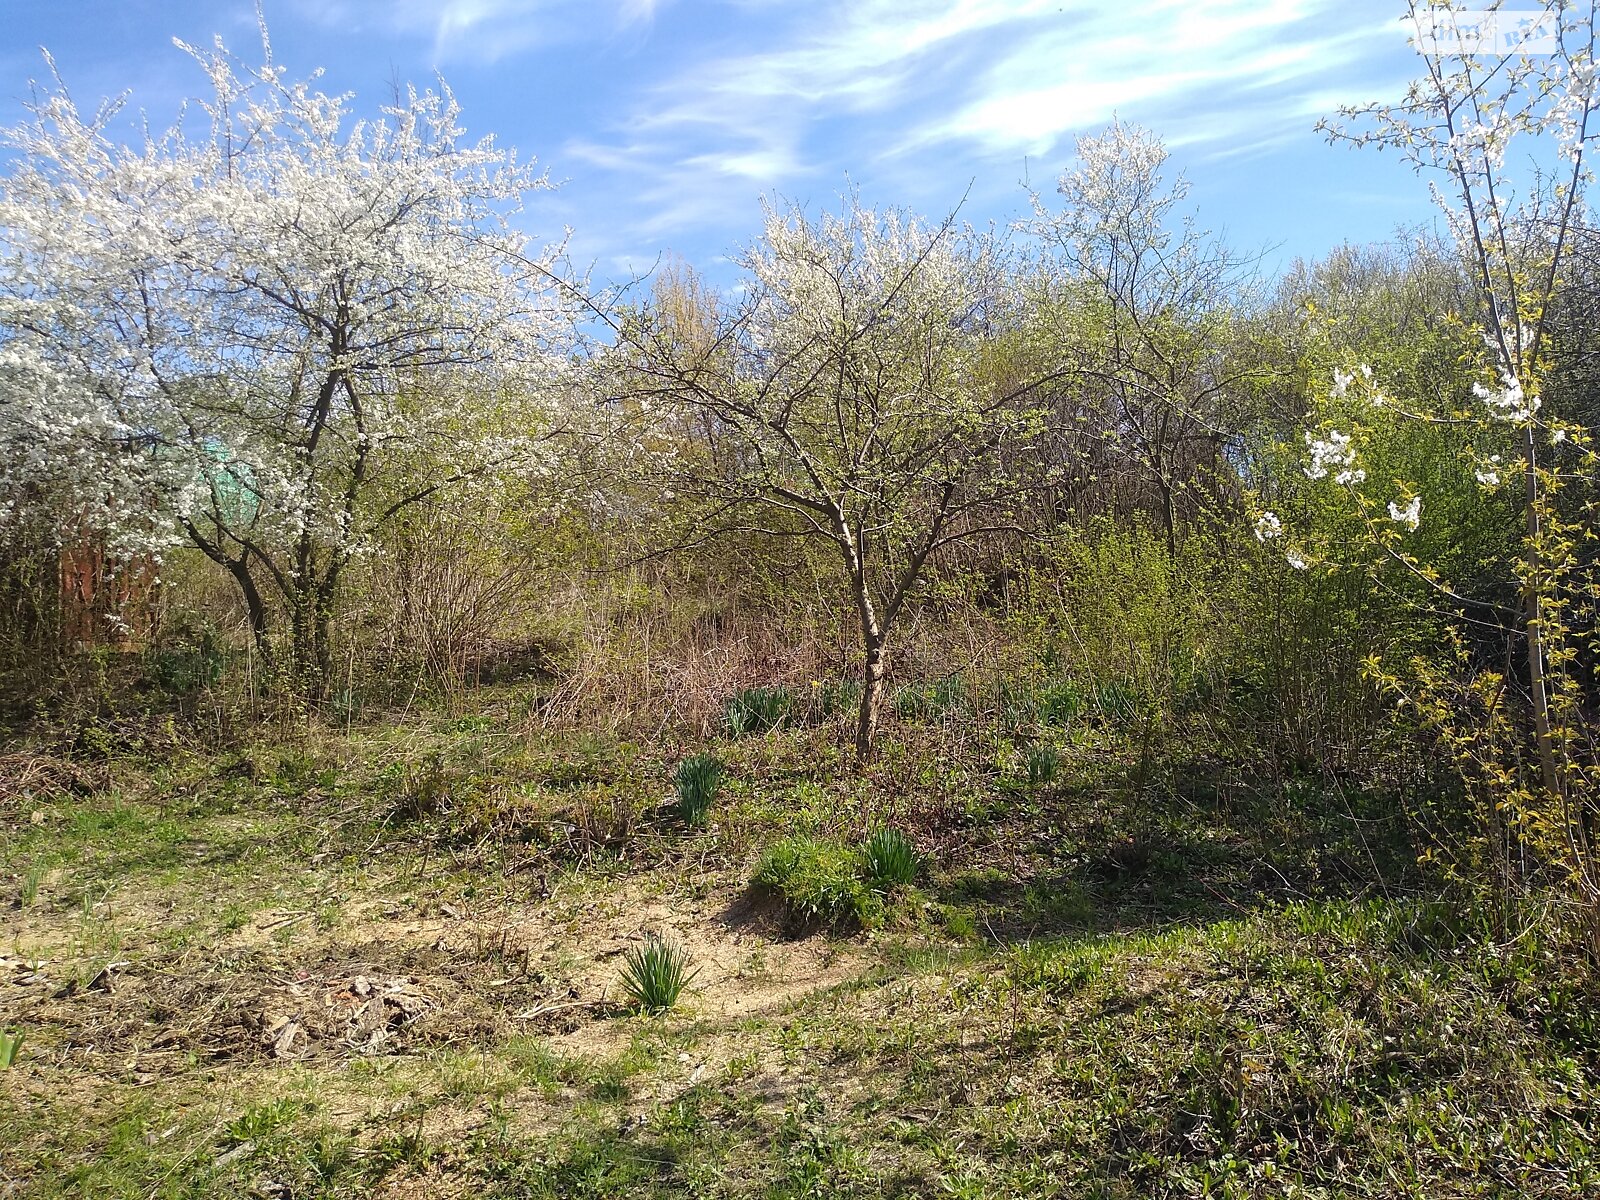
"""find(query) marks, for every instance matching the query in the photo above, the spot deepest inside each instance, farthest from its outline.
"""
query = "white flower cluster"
(1489, 473)
(1483, 145)
(1343, 379)
(1574, 86)
(1268, 526)
(1333, 454)
(1508, 402)
(1410, 516)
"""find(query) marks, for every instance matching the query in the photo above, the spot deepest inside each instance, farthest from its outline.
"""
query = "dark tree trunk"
(256, 610)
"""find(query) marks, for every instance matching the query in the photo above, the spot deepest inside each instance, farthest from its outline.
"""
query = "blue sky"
(667, 121)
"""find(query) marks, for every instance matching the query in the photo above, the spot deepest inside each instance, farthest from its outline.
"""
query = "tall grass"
(757, 710)
(698, 780)
(890, 860)
(654, 974)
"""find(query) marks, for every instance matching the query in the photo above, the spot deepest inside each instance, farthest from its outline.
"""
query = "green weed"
(1061, 703)
(655, 974)
(1042, 763)
(943, 698)
(1117, 701)
(698, 780)
(819, 882)
(757, 710)
(30, 885)
(833, 698)
(890, 860)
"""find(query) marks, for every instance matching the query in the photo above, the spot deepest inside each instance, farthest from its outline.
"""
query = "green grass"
(819, 882)
(889, 859)
(1199, 989)
(757, 710)
(1043, 761)
(834, 698)
(941, 699)
(655, 973)
(29, 895)
(697, 781)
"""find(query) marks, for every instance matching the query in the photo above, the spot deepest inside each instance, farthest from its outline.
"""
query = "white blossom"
(1295, 561)
(1268, 526)
(1333, 451)
(1410, 516)
(1508, 402)
(242, 329)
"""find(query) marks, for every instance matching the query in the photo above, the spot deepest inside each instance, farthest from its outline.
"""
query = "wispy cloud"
(486, 31)
(670, 119)
(1234, 62)
(891, 90)
(703, 107)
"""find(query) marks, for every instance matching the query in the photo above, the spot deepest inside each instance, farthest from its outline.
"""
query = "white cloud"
(485, 31)
(928, 94)
(1159, 60)
(712, 104)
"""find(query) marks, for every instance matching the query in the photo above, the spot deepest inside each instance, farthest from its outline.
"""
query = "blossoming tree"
(1146, 306)
(265, 332)
(863, 391)
(1526, 750)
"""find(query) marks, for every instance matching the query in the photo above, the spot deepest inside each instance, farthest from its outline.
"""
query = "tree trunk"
(1534, 618)
(257, 609)
(871, 696)
(309, 652)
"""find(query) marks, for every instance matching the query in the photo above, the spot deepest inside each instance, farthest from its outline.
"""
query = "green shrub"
(1060, 703)
(654, 974)
(909, 703)
(698, 779)
(757, 709)
(948, 696)
(186, 660)
(420, 790)
(185, 671)
(819, 882)
(1016, 704)
(890, 860)
(1043, 762)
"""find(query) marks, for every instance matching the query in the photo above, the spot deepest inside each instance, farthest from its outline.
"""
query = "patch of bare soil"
(391, 982)
(133, 1018)
(743, 966)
